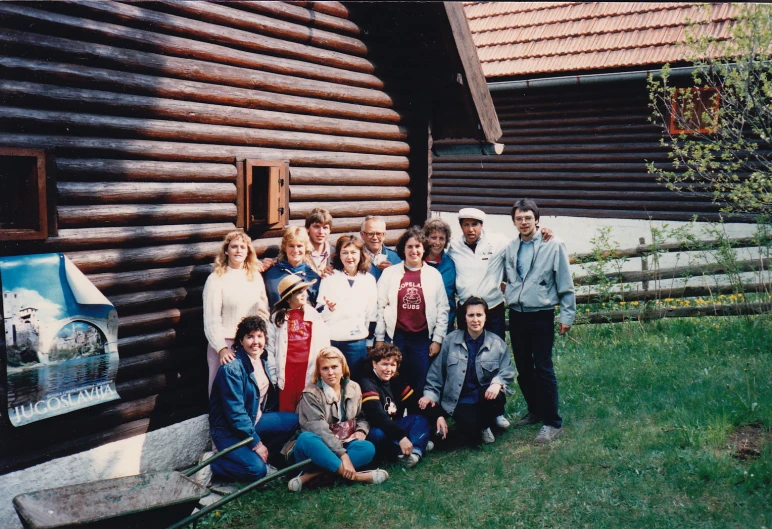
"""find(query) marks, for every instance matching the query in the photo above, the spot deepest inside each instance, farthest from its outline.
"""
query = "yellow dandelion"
(668, 300)
(634, 303)
(622, 303)
(586, 310)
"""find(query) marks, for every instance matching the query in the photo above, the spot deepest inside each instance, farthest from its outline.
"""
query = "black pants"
(532, 335)
(472, 419)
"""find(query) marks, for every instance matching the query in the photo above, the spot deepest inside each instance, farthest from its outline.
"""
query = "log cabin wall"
(144, 109)
(578, 151)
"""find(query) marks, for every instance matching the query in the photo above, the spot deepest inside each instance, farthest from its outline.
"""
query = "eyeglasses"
(375, 234)
(525, 219)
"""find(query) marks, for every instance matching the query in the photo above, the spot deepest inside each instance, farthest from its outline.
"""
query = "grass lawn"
(648, 413)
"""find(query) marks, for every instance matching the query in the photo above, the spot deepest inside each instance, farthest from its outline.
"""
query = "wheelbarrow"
(154, 500)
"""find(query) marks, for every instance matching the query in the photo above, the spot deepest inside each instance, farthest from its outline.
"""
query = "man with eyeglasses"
(538, 278)
(373, 233)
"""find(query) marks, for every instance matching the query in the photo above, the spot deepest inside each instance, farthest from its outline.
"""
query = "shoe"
(379, 475)
(430, 446)
(270, 469)
(295, 484)
(487, 436)
(528, 418)
(547, 434)
(410, 461)
(502, 422)
(204, 476)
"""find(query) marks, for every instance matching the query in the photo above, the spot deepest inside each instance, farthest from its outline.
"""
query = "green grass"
(648, 411)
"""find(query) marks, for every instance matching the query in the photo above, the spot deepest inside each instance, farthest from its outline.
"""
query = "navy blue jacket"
(448, 271)
(281, 269)
(235, 398)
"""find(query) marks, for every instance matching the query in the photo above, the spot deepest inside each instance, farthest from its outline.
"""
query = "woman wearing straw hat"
(295, 336)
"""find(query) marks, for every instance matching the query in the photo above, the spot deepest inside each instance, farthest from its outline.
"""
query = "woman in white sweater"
(234, 290)
(412, 308)
(349, 299)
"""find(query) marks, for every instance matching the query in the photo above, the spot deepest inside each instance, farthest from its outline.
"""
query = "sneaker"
(547, 434)
(295, 484)
(204, 476)
(379, 475)
(487, 436)
(430, 446)
(270, 469)
(410, 461)
(529, 418)
(502, 422)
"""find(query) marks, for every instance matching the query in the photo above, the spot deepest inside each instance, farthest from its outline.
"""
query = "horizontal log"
(641, 176)
(117, 170)
(80, 238)
(143, 192)
(580, 138)
(177, 151)
(674, 292)
(330, 7)
(299, 14)
(156, 299)
(117, 259)
(567, 128)
(181, 89)
(142, 387)
(491, 164)
(351, 209)
(516, 124)
(123, 215)
(146, 343)
(193, 69)
(319, 176)
(353, 224)
(677, 312)
(198, 132)
(516, 157)
(677, 272)
(548, 202)
(339, 192)
(131, 367)
(135, 324)
(476, 184)
(553, 195)
(270, 246)
(115, 282)
(588, 148)
(303, 60)
(263, 25)
(186, 111)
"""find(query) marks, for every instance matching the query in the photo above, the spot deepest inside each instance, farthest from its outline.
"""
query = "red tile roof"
(525, 38)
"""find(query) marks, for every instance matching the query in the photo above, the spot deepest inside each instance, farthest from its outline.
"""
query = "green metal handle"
(230, 497)
(189, 472)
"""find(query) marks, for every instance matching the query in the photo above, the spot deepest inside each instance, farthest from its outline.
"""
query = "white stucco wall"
(175, 447)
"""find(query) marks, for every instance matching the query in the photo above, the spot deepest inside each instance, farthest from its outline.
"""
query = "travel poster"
(60, 339)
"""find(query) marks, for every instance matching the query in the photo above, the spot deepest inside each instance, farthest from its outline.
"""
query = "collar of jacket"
(458, 339)
(246, 361)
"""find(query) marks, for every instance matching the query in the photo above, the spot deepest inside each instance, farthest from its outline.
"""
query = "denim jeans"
(274, 429)
(356, 356)
(310, 446)
(418, 429)
(532, 335)
(415, 357)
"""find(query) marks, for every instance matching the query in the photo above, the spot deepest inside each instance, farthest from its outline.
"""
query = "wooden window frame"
(676, 109)
(42, 198)
(276, 189)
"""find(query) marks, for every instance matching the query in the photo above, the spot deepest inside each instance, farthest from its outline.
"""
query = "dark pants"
(355, 353)
(472, 419)
(414, 347)
(418, 429)
(532, 335)
(495, 322)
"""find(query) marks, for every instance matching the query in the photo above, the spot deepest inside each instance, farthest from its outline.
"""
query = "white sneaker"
(502, 422)
(430, 446)
(547, 434)
(295, 484)
(487, 436)
(411, 461)
(204, 476)
(270, 469)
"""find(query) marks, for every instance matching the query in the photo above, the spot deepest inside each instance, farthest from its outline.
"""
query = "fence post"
(644, 268)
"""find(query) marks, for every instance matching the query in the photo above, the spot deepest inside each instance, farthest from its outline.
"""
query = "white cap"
(471, 213)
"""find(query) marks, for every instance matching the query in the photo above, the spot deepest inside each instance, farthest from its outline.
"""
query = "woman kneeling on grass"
(385, 397)
(243, 405)
(470, 378)
(333, 426)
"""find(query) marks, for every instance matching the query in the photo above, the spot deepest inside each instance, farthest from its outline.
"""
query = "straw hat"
(290, 284)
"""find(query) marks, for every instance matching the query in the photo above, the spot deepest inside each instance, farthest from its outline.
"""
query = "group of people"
(359, 353)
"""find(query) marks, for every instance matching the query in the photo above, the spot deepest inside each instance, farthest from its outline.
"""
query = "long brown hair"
(250, 263)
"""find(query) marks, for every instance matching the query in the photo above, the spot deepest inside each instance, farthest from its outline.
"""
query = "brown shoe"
(529, 418)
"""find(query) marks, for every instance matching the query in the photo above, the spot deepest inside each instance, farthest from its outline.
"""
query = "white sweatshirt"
(481, 272)
(355, 305)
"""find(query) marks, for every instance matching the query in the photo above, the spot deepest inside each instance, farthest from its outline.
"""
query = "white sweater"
(355, 305)
(229, 298)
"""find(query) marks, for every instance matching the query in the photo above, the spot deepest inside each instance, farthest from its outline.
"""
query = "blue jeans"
(274, 429)
(417, 427)
(414, 347)
(356, 356)
(310, 446)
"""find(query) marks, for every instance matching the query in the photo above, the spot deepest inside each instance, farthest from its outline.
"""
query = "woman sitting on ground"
(243, 405)
(294, 258)
(349, 298)
(296, 334)
(385, 397)
(470, 379)
(333, 426)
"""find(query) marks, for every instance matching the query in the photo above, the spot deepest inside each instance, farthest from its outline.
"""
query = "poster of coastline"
(60, 340)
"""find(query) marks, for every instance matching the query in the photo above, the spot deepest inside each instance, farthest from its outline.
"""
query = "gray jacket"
(446, 374)
(546, 284)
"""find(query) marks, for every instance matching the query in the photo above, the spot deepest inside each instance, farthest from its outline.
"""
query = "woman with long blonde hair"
(234, 290)
(294, 259)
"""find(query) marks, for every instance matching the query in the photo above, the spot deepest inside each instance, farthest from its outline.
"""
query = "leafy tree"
(718, 128)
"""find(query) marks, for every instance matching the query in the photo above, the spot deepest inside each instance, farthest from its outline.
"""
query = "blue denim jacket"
(235, 399)
(445, 379)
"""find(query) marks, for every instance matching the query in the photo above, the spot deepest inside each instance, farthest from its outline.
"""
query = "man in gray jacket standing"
(538, 279)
